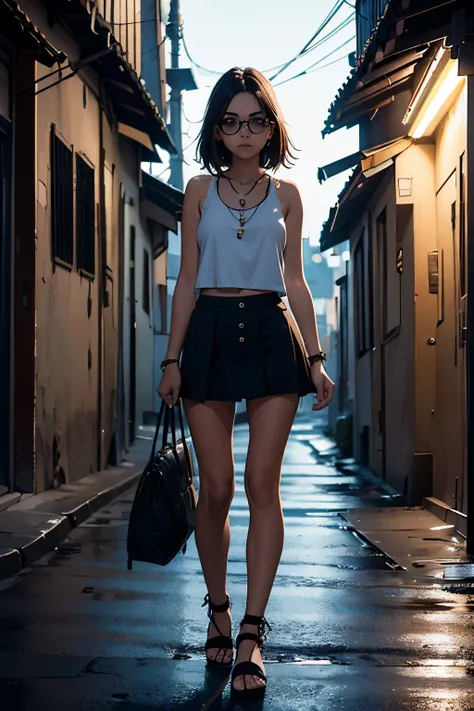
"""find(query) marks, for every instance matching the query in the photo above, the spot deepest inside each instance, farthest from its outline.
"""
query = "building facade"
(404, 211)
(86, 235)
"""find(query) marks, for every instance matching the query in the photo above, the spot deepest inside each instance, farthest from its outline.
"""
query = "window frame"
(59, 196)
(82, 264)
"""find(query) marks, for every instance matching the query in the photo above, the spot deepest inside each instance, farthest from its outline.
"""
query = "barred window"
(62, 220)
(85, 213)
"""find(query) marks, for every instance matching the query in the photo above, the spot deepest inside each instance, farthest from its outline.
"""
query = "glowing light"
(317, 258)
(334, 260)
(434, 107)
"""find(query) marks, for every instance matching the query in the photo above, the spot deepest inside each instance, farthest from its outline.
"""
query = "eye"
(259, 122)
(229, 121)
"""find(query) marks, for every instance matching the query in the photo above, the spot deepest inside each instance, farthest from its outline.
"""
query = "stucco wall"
(66, 407)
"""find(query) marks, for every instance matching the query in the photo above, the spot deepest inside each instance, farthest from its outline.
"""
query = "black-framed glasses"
(231, 125)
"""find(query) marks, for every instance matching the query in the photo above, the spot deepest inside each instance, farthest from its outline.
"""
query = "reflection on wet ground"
(78, 631)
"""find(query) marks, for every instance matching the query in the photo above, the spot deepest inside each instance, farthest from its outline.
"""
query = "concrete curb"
(15, 560)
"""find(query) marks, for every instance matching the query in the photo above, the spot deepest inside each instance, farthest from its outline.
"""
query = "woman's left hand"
(324, 386)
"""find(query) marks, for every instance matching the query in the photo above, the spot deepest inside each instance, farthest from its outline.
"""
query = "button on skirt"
(239, 348)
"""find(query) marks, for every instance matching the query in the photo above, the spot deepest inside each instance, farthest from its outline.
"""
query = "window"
(146, 281)
(85, 222)
(163, 306)
(62, 220)
(363, 294)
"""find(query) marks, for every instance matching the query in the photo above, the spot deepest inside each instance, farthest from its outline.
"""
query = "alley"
(80, 632)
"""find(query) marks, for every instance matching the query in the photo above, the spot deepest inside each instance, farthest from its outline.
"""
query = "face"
(246, 142)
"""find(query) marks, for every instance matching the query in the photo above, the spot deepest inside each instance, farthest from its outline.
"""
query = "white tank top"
(253, 262)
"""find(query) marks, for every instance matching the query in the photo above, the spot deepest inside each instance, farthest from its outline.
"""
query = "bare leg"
(270, 421)
(211, 425)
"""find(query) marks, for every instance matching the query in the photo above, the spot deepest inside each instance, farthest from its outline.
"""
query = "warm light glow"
(317, 258)
(433, 109)
(424, 84)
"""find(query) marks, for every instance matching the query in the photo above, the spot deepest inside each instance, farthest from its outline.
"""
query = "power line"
(345, 23)
(317, 64)
(332, 13)
(342, 26)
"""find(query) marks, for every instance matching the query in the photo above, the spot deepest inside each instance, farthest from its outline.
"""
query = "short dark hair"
(212, 153)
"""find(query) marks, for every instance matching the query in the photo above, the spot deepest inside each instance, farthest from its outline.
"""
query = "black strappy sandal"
(221, 641)
(250, 668)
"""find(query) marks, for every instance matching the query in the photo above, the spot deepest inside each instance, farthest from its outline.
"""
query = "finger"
(328, 395)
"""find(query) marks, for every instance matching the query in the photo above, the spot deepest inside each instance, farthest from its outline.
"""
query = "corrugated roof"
(386, 32)
(77, 15)
(19, 28)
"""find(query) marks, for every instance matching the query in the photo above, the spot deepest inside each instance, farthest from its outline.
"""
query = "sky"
(220, 35)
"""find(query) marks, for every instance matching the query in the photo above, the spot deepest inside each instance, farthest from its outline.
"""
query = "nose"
(247, 130)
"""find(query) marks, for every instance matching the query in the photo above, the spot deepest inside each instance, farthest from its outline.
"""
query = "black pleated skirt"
(239, 348)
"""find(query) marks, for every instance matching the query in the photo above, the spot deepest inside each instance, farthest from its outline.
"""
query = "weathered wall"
(449, 421)
(66, 408)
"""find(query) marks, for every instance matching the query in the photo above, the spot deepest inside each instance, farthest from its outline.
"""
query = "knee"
(262, 489)
(216, 494)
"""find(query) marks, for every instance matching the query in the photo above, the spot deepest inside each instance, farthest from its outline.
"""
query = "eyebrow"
(232, 113)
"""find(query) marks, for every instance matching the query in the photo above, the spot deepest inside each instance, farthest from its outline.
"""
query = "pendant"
(242, 202)
(242, 220)
(240, 233)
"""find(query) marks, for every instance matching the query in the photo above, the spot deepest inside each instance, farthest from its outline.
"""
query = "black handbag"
(162, 514)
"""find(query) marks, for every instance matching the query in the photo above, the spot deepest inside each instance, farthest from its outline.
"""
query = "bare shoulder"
(289, 195)
(288, 190)
(198, 185)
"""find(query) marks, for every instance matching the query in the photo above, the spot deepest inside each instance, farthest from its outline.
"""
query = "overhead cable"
(345, 23)
(332, 13)
(318, 63)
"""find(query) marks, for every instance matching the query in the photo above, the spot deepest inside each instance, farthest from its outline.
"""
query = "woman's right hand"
(170, 384)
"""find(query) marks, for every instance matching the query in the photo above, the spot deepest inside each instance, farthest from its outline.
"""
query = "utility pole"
(176, 161)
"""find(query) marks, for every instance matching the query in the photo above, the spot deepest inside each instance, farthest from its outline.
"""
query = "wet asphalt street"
(78, 631)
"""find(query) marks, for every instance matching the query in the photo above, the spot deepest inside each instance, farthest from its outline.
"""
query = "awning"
(352, 201)
(369, 160)
(132, 104)
(161, 202)
(20, 31)
(399, 42)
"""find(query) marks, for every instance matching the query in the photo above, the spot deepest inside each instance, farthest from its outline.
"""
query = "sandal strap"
(259, 622)
(216, 608)
(220, 642)
(247, 635)
(247, 669)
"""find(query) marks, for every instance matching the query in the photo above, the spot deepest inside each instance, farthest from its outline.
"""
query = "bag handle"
(155, 438)
(170, 415)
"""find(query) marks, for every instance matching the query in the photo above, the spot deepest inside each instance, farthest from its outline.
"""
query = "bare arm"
(184, 299)
(299, 295)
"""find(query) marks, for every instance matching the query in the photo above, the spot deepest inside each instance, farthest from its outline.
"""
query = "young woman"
(241, 252)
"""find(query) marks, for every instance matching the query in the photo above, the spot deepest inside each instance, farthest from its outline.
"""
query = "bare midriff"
(231, 291)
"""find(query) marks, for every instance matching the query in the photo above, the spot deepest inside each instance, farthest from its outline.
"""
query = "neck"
(245, 171)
